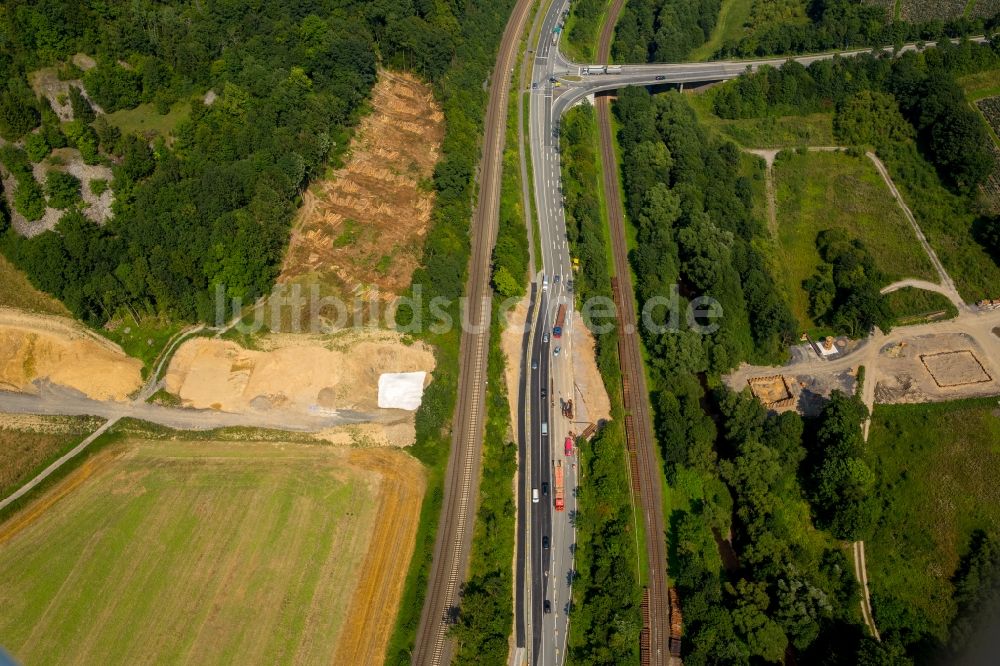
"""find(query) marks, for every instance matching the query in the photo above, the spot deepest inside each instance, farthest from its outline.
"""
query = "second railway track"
(644, 462)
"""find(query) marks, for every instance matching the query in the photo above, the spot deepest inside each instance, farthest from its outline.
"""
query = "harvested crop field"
(362, 228)
(43, 348)
(208, 552)
(29, 443)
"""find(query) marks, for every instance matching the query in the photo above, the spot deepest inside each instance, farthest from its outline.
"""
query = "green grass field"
(940, 472)
(201, 552)
(143, 339)
(17, 292)
(981, 84)
(146, 119)
(815, 129)
(729, 26)
(825, 190)
(916, 306)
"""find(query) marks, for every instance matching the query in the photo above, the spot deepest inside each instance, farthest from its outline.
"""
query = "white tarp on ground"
(401, 390)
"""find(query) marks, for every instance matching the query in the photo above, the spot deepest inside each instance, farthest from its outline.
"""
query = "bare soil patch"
(511, 341)
(955, 368)
(592, 401)
(771, 390)
(45, 82)
(96, 208)
(303, 373)
(362, 228)
(382, 574)
(38, 348)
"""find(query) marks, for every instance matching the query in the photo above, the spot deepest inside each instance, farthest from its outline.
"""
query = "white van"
(545, 428)
(534, 496)
(545, 283)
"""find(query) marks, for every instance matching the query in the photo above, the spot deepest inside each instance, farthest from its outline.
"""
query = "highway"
(551, 383)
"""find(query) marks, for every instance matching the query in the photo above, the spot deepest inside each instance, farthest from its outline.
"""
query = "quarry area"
(361, 229)
(305, 374)
(37, 348)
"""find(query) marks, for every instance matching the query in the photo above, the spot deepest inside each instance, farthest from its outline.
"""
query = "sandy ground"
(37, 348)
(591, 402)
(362, 228)
(934, 362)
(510, 343)
(302, 373)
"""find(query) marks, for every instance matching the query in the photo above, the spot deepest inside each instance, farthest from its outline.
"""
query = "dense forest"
(669, 30)
(212, 206)
(949, 132)
(605, 618)
(663, 30)
(759, 579)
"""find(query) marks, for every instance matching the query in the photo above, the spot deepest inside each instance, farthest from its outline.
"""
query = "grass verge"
(939, 468)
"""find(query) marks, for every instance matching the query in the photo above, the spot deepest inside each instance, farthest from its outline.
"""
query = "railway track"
(644, 463)
(454, 535)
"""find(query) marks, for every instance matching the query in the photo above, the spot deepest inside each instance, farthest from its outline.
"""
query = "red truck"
(569, 446)
(559, 486)
(560, 321)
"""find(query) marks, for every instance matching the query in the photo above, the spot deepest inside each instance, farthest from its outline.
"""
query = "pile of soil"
(37, 348)
(299, 373)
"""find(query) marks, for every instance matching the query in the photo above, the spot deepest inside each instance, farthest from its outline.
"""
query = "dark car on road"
(545, 488)
(545, 542)
(547, 606)
(661, 77)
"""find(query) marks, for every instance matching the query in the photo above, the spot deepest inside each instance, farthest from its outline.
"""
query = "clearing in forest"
(17, 292)
(208, 552)
(832, 190)
(362, 228)
(939, 466)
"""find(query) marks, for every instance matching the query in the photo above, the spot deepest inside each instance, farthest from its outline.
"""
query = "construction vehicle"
(560, 321)
(567, 409)
(559, 502)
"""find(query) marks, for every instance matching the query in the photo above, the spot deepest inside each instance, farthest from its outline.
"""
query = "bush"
(63, 189)
(29, 200)
(113, 87)
(36, 147)
(98, 186)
